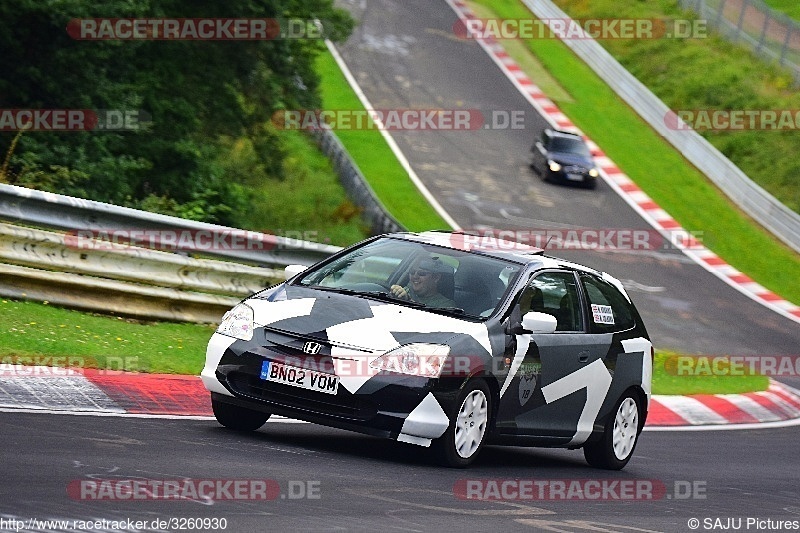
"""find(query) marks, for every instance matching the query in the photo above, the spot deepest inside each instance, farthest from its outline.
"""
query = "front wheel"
(464, 438)
(615, 447)
(238, 418)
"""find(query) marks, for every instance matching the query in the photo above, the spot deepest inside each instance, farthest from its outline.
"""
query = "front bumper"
(571, 177)
(396, 406)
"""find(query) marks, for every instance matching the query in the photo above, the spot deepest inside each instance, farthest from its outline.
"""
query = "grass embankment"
(700, 73)
(787, 7)
(374, 157)
(42, 334)
(308, 203)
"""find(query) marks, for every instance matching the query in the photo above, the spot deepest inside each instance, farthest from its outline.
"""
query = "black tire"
(238, 418)
(470, 419)
(614, 448)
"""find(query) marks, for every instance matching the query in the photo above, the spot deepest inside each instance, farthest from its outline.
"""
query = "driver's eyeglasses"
(420, 273)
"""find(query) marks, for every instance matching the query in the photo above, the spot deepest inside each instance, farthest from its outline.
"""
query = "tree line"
(199, 110)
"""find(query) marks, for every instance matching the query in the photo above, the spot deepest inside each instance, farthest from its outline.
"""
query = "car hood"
(352, 322)
(571, 159)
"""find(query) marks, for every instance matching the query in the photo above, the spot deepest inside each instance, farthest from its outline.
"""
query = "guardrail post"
(740, 23)
(789, 29)
(719, 12)
(763, 33)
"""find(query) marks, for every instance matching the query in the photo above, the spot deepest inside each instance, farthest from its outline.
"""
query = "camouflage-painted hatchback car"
(444, 340)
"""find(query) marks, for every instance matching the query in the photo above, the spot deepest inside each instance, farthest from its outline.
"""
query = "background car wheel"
(469, 422)
(614, 449)
(238, 418)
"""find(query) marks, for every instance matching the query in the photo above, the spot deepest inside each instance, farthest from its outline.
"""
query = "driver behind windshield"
(423, 282)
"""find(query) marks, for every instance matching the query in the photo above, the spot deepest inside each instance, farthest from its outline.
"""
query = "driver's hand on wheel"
(399, 291)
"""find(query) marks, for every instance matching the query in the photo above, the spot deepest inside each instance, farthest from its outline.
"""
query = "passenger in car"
(423, 283)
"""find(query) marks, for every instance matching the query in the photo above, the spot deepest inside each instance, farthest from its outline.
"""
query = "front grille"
(575, 169)
(343, 404)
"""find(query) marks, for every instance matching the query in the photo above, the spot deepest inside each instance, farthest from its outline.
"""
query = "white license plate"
(575, 177)
(299, 377)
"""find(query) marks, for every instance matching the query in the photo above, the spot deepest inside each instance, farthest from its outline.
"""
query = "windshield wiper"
(340, 290)
(455, 310)
(389, 297)
(392, 297)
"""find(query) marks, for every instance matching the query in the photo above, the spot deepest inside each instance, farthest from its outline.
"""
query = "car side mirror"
(293, 270)
(535, 322)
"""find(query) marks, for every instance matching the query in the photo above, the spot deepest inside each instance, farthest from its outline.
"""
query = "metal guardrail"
(123, 279)
(59, 252)
(76, 270)
(749, 196)
(48, 210)
(770, 34)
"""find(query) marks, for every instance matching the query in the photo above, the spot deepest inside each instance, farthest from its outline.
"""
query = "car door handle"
(583, 357)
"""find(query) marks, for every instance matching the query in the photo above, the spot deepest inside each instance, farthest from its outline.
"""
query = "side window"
(555, 293)
(609, 310)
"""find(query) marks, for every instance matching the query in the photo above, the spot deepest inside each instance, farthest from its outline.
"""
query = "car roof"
(492, 244)
(565, 134)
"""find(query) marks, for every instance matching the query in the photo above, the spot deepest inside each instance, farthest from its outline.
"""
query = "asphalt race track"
(362, 483)
(404, 55)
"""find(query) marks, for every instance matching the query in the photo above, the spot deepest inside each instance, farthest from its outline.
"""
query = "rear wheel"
(238, 418)
(464, 438)
(614, 449)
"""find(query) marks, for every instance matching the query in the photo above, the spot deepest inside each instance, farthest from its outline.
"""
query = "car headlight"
(238, 323)
(594, 173)
(555, 167)
(417, 359)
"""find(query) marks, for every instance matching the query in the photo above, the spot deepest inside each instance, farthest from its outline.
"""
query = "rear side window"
(555, 293)
(609, 310)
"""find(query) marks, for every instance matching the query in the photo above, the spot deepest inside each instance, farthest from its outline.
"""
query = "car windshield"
(565, 145)
(416, 274)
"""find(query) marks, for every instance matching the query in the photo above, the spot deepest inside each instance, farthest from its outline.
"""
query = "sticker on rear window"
(602, 314)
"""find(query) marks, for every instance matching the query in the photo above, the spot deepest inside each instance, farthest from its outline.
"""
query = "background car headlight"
(555, 167)
(594, 173)
(417, 359)
(238, 323)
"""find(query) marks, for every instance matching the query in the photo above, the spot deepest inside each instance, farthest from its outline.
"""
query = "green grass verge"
(36, 330)
(53, 335)
(374, 157)
(787, 7)
(666, 380)
(654, 164)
